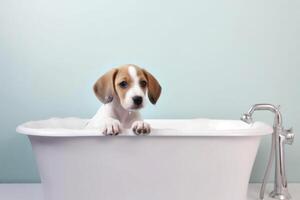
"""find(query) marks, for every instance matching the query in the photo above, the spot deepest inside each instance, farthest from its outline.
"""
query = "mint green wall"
(213, 58)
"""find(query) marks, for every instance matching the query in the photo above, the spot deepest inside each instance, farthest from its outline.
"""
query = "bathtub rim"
(256, 129)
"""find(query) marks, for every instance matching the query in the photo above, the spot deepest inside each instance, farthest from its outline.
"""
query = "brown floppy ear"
(154, 88)
(104, 86)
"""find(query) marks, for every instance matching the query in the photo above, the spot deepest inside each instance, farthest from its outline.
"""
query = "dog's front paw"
(140, 127)
(111, 127)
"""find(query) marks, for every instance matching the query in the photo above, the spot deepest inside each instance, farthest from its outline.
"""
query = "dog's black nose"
(137, 100)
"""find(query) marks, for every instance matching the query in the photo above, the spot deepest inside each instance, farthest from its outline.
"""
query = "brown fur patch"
(103, 87)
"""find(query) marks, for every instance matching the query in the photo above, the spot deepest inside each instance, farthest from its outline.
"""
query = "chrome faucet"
(280, 137)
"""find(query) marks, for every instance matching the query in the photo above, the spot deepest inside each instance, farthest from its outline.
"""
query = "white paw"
(111, 127)
(140, 127)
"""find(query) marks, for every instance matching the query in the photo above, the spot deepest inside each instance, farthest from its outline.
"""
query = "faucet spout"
(269, 107)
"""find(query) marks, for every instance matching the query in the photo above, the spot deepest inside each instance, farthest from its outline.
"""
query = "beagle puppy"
(123, 92)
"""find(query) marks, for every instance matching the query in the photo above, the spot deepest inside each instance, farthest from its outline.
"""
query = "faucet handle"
(290, 130)
(278, 107)
(289, 136)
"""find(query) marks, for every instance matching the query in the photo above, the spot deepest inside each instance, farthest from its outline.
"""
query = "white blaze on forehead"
(135, 79)
(134, 90)
(132, 72)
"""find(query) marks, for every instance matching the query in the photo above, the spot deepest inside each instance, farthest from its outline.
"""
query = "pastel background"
(213, 58)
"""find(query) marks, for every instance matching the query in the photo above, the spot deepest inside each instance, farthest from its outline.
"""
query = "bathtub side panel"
(148, 168)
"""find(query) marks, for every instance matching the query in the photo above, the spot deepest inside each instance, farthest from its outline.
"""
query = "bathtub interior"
(72, 126)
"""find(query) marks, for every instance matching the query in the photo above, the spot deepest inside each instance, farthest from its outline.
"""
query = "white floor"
(34, 191)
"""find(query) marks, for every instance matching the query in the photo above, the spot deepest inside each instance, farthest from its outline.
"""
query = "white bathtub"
(180, 160)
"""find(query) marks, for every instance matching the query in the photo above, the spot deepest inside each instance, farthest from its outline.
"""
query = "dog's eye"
(123, 84)
(143, 83)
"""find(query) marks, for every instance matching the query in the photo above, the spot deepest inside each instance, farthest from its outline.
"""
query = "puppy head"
(129, 84)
